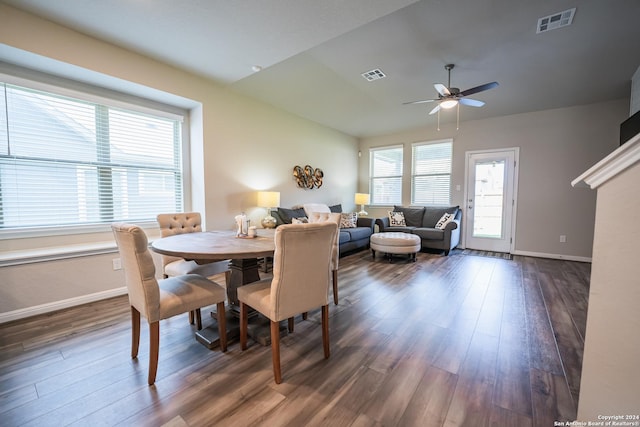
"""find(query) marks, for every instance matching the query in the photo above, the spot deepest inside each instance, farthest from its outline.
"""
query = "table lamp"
(362, 199)
(268, 200)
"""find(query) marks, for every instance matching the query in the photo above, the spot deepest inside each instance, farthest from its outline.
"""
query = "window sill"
(32, 256)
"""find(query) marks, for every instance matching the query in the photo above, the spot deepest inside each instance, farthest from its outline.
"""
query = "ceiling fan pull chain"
(438, 120)
(458, 118)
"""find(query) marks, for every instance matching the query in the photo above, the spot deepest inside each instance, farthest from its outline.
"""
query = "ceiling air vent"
(557, 20)
(372, 75)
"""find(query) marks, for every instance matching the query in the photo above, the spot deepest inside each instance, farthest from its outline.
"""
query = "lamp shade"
(362, 199)
(268, 199)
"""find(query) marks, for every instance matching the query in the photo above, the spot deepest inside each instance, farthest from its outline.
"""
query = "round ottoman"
(394, 243)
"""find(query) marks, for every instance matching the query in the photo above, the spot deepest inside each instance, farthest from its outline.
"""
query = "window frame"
(414, 175)
(112, 99)
(373, 177)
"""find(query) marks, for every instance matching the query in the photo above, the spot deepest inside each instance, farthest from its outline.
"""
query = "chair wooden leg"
(305, 315)
(135, 332)
(198, 316)
(290, 324)
(244, 319)
(275, 351)
(191, 317)
(335, 287)
(325, 330)
(154, 347)
(222, 326)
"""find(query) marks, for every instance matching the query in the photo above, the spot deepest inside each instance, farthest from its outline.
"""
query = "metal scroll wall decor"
(308, 177)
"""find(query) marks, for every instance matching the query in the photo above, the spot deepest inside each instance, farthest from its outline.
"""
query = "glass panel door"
(490, 200)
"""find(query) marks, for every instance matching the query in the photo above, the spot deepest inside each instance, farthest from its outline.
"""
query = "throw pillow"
(444, 220)
(287, 215)
(301, 220)
(336, 208)
(348, 220)
(396, 219)
(315, 207)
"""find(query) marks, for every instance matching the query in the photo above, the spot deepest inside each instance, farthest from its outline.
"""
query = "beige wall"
(555, 147)
(610, 374)
(238, 146)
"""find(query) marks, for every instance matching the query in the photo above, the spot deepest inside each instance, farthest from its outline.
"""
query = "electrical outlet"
(117, 264)
(563, 238)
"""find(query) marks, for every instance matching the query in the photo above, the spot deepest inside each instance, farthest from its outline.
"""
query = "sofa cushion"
(432, 214)
(343, 236)
(357, 233)
(429, 233)
(402, 229)
(412, 216)
(287, 215)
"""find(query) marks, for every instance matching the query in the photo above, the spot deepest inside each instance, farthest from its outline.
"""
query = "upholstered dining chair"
(157, 300)
(188, 222)
(300, 283)
(335, 253)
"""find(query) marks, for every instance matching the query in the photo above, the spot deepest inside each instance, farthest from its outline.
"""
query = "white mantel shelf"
(622, 158)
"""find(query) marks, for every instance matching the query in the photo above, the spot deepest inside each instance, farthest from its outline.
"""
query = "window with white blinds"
(385, 172)
(67, 161)
(431, 173)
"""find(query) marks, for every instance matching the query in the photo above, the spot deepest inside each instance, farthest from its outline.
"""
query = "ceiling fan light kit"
(449, 103)
(449, 97)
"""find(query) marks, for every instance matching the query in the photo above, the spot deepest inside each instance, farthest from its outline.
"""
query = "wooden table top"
(216, 245)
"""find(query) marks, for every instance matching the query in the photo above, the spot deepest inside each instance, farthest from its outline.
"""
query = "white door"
(490, 199)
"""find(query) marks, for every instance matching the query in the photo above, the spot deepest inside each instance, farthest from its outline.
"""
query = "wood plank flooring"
(445, 341)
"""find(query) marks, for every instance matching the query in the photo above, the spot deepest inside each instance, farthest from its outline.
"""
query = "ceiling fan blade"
(420, 102)
(435, 109)
(442, 89)
(480, 88)
(471, 102)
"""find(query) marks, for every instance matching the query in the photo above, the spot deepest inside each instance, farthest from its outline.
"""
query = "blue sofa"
(350, 239)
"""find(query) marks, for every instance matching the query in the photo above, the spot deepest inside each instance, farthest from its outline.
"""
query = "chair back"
(139, 270)
(301, 268)
(329, 217)
(178, 223)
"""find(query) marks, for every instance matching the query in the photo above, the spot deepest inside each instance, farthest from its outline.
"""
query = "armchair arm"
(365, 222)
(452, 234)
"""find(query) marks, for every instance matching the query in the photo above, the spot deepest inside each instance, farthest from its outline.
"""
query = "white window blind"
(67, 161)
(431, 176)
(385, 169)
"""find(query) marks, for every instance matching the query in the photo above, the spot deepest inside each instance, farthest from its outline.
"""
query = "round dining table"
(210, 246)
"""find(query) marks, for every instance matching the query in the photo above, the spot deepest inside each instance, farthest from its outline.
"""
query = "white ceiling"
(313, 51)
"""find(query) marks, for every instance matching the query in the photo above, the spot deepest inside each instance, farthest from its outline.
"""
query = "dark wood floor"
(446, 341)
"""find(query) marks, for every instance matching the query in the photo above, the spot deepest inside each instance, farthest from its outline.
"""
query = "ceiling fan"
(449, 97)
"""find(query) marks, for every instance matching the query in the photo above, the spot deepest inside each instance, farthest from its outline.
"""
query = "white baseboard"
(553, 256)
(59, 305)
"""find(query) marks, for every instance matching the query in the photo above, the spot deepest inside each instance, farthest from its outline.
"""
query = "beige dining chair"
(335, 254)
(156, 299)
(187, 222)
(300, 283)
